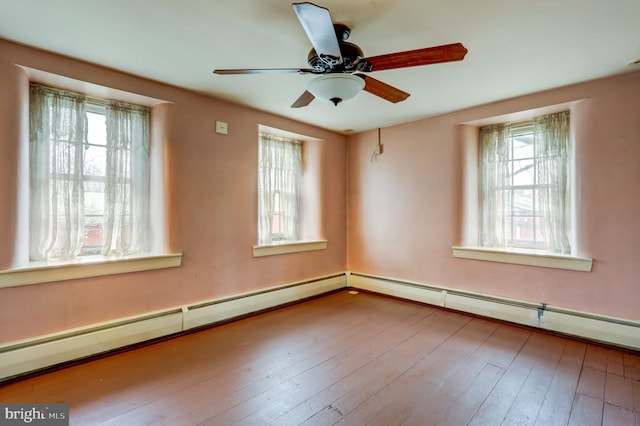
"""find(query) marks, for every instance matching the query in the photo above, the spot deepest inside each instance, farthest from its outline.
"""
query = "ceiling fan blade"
(318, 25)
(266, 71)
(383, 90)
(304, 100)
(413, 58)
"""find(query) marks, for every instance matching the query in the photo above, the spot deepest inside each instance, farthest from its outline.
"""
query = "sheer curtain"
(551, 140)
(58, 130)
(551, 153)
(125, 227)
(279, 176)
(494, 167)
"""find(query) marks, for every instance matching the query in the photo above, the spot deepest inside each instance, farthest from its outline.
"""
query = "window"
(93, 177)
(89, 176)
(279, 183)
(525, 190)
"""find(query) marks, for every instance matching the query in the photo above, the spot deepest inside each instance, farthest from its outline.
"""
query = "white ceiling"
(515, 47)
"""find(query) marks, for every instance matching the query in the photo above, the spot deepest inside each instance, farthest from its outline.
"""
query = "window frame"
(278, 195)
(468, 245)
(518, 130)
(500, 160)
(93, 107)
(310, 229)
(23, 271)
(136, 115)
(279, 222)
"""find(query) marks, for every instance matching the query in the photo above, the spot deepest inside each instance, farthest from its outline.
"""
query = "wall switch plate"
(222, 128)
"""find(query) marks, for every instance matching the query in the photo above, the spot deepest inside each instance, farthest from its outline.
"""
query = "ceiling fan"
(339, 65)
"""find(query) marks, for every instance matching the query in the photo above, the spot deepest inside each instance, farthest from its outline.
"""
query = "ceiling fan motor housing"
(350, 52)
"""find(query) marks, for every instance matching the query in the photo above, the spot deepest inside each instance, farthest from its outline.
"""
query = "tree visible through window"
(525, 185)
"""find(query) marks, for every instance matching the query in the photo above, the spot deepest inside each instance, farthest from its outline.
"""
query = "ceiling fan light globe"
(336, 88)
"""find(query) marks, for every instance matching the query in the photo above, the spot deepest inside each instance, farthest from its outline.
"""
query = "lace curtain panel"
(58, 130)
(126, 205)
(551, 139)
(279, 183)
(495, 176)
(550, 149)
(58, 146)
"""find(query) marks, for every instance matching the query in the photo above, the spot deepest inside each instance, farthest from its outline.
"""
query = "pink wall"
(212, 206)
(13, 160)
(405, 210)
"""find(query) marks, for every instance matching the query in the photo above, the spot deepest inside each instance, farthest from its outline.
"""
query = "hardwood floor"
(350, 359)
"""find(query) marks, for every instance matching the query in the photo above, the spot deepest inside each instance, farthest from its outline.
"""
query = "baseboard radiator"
(609, 330)
(26, 356)
(22, 357)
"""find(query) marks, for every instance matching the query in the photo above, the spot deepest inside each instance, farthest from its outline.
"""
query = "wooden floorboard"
(350, 359)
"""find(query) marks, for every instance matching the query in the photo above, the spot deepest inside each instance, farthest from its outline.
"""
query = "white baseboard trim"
(609, 330)
(29, 355)
(21, 357)
(213, 311)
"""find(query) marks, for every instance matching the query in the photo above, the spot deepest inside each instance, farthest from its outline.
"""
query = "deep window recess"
(279, 185)
(525, 189)
(89, 176)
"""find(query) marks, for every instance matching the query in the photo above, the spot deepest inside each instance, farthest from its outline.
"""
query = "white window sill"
(85, 267)
(525, 257)
(288, 247)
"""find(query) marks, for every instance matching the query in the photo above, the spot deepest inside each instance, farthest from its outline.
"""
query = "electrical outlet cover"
(221, 128)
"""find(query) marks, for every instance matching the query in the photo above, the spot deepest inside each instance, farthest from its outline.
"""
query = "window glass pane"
(523, 146)
(97, 132)
(540, 233)
(94, 211)
(522, 202)
(95, 161)
(93, 198)
(276, 201)
(94, 170)
(508, 229)
(523, 229)
(276, 224)
(93, 238)
(523, 173)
